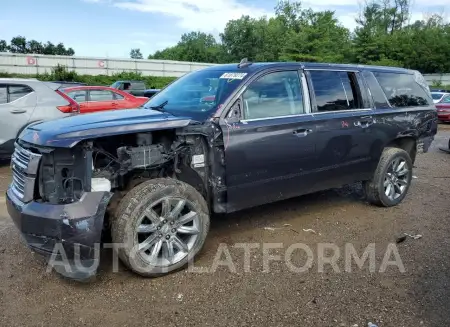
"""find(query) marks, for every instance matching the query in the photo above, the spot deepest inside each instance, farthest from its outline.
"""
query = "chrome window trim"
(349, 110)
(277, 117)
(333, 70)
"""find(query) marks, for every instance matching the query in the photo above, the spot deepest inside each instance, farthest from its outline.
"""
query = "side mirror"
(235, 113)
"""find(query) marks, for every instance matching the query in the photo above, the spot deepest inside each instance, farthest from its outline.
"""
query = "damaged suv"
(218, 140)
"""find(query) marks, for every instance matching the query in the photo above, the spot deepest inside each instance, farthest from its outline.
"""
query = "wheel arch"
(407, 143)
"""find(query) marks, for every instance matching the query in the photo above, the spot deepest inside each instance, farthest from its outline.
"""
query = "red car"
(443, 109)
(100, 98)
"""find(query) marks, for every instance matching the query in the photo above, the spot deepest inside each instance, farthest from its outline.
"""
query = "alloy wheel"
(396, 179)
(167, 231)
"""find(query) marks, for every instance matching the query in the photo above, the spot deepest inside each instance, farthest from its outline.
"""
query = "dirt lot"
(420, 296)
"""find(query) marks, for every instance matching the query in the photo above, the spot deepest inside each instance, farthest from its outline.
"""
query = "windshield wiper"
(160, 107)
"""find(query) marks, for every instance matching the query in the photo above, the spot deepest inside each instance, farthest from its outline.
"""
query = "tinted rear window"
(378, 96)
(333, 91)
(402, 90)
(18, 91)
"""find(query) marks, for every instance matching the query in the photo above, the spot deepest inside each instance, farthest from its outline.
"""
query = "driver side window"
(276, 94)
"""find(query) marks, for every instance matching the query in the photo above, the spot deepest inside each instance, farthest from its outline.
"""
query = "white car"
(437, 96)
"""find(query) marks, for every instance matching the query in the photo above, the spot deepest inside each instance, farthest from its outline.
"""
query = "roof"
(262, 65)
(85, 87)
(10, 80)
(129, 80)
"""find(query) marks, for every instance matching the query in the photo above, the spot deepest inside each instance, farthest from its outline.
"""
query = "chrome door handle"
(302, 132)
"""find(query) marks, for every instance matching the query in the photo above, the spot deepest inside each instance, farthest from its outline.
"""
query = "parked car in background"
(101, 98)
(136, 88)
(269, 131)
(439, 90)
(63, 83)
(151, 92)
(27, 101)
(443, 109)
(438, 96)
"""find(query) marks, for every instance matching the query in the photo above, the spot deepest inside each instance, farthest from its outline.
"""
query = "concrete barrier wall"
(39, 64)
(444, 79)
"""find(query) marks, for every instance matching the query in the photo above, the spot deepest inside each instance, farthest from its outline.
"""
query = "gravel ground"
(417, 297)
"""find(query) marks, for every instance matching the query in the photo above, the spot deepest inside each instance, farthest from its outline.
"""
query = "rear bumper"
(444, 116)
(68, 235)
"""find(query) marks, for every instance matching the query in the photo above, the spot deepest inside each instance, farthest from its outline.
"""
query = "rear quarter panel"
(397, 123)
(47, 101)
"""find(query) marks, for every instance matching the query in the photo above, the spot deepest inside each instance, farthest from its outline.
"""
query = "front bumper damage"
(69, 235)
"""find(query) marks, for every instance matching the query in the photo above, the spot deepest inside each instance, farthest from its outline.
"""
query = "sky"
(111, 28)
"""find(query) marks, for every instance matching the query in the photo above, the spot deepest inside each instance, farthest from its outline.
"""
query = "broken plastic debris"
(416, 237)
(402, 238)
(369, 324)
(310, 231)
(414, 176)
(271, 228)
(180, 297)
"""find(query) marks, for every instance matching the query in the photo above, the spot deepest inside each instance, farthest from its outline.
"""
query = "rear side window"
(378, 96)
(18, 91)
(101, 95)
(117, 96)
(3, 94)
(78, 96)
(138, 86)
(402, 90)
(335, 90)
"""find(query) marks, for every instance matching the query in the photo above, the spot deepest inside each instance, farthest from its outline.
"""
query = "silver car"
(25, 101)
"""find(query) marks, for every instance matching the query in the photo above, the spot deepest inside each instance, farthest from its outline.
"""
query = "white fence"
(38, 64)
(444, 79)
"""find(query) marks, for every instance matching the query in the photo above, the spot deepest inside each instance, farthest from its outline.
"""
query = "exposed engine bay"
(121, 162)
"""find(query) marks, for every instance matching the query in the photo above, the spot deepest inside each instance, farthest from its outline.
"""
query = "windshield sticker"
(233, 75)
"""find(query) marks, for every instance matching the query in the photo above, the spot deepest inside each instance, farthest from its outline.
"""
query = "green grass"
(104, 80)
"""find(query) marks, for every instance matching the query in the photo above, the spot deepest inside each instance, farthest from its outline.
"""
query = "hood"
(67, 132)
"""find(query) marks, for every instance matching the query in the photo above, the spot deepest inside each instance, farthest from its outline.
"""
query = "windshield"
(197, 94)
(115, 85)
(436, 96)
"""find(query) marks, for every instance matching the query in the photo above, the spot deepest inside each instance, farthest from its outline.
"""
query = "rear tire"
(159, 226)
(391, 180)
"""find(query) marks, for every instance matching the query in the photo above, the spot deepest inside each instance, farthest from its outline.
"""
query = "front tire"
(159, 226)
(391, 180)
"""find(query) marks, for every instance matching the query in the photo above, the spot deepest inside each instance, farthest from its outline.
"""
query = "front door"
(270, 152)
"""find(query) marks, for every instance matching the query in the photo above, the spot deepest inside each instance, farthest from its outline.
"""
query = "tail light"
(72, 107)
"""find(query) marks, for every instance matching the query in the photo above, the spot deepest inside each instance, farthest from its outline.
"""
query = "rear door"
(123, 102)
(17, 103)
(270, 152)
(345, 127)
(100, 100)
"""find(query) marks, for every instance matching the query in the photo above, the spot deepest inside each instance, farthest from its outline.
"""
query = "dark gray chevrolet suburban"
(217, 140)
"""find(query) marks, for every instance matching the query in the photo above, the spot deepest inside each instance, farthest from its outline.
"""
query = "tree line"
(20, 44)
(384, 36)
